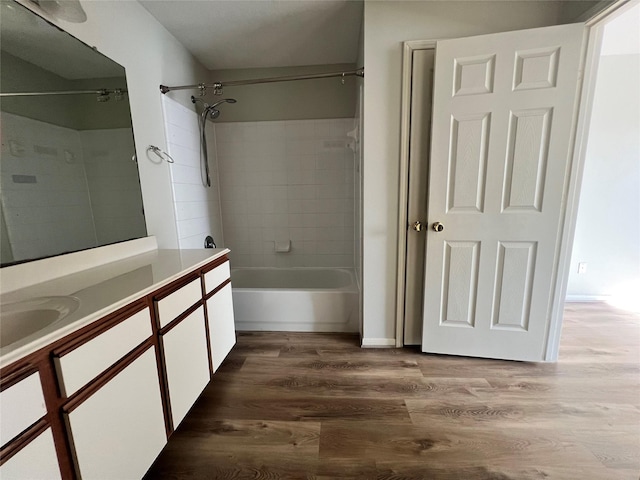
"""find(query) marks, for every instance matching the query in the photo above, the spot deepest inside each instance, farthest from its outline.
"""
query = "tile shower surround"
(287, 180)
(197, 208)
(63, 162)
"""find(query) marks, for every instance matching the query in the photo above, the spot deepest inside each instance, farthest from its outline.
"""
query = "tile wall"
(287, 181)
(197, 208)
(114, 185)
(41, 162)
(74, 190)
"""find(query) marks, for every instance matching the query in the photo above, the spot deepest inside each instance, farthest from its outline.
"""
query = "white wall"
(386, 26)
(307, 99)
(607, 233)
(128, 34)
(287, 181)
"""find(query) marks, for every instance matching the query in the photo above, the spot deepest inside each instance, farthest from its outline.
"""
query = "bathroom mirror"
(68, 176)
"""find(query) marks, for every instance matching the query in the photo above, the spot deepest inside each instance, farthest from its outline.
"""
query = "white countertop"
(101, 290)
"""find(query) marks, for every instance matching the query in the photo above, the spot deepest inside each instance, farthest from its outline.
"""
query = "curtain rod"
(102, 91)
(218, 86)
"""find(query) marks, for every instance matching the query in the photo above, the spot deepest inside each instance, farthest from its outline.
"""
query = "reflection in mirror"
(67, 178)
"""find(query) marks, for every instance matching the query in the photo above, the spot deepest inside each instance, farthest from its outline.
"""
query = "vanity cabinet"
(183, 340)
(102, 401)
(113, 407)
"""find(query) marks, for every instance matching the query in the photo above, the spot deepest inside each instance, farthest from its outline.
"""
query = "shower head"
(212, 112)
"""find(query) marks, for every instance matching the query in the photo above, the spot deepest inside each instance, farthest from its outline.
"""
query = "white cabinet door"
(21, 405)
(119, 430)
(187, 363)
(37, 460)
(503, 109)
(222, 328)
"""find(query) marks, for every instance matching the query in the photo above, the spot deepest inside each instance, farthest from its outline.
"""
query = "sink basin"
(21, 319)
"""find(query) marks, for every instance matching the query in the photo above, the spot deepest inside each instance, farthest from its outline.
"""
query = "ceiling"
(229, 34)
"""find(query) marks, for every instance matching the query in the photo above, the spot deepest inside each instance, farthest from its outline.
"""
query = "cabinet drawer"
(37, 460)
(213, 278)
(174, 304)
(83, 364)
(21, 405)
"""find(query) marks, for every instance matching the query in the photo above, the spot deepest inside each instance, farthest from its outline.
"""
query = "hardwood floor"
(316, 406)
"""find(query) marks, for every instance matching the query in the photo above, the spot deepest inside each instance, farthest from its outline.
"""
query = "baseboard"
(586, 298)
(378, 343)
(304, 327)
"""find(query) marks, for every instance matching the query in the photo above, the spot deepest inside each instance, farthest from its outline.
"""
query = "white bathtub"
(295, 299)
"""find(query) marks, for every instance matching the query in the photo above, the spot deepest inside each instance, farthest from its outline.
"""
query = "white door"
(503, 112)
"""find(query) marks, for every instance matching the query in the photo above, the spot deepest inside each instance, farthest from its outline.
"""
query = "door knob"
(437, 226)
(417, 226)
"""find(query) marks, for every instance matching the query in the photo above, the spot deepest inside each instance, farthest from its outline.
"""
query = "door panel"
(528, 141)
(460, 283)
(502, 120)
(468, 163)
(514, 280)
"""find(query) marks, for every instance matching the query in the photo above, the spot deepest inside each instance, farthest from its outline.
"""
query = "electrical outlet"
(582, 268)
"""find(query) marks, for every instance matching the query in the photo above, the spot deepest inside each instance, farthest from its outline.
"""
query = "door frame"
(403, 220)
(589, 60)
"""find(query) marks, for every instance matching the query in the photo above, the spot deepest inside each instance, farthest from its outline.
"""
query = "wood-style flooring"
(316, 406)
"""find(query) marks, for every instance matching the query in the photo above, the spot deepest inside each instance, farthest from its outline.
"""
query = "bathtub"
(295, 299)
